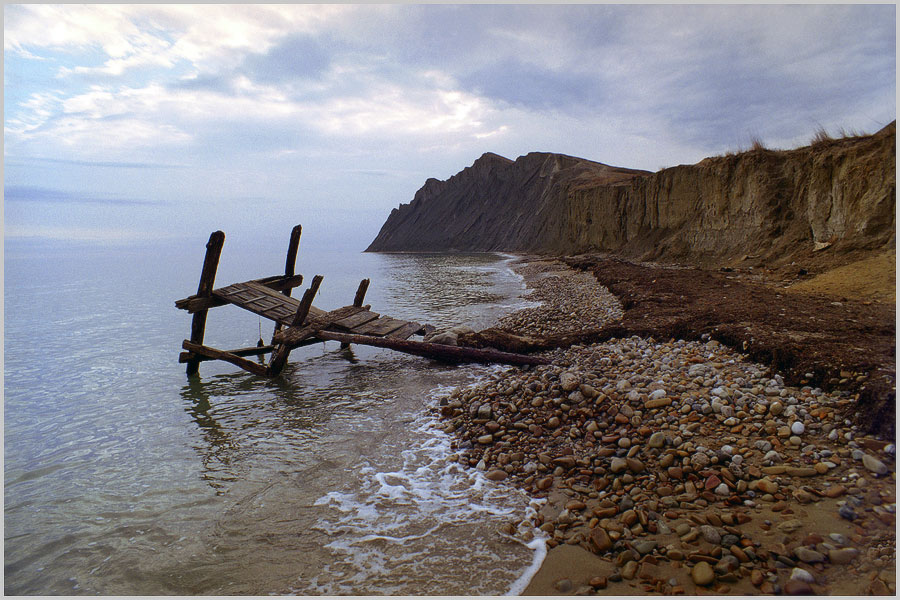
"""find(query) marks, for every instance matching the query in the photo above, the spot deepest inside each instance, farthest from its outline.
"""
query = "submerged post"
(290, 262)
(358, 301)
(281, 353)
(207, 279)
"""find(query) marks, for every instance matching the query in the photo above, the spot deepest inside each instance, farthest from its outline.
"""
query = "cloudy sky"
(153, 121)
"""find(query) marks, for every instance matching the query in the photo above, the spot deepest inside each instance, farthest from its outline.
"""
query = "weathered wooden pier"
(299, 323)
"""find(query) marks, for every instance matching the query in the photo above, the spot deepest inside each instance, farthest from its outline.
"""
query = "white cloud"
(205, 36)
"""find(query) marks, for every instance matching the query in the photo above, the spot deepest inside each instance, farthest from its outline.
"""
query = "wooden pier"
(299, 323)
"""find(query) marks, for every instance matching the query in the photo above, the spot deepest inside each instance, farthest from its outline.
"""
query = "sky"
(145, 122)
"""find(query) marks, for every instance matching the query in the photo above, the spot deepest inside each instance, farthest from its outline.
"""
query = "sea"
(122, 476)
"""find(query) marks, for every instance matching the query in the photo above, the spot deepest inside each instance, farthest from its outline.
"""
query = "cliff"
(763, 205)
(496, 204)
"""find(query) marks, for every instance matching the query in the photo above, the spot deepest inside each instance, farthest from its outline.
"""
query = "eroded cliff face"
(770, 206)
(766, 206)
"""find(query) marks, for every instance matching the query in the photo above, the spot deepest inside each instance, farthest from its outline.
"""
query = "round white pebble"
(797, 428)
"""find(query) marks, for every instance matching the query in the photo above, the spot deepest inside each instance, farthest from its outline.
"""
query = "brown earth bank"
(827, 341)
(664, 465)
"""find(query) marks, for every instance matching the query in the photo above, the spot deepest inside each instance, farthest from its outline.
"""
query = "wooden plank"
(196, 303)
(382, 326)
(436, 351)
(356, 320)
(204, 290)
(266, 302)
(407, 330)
(247, 365)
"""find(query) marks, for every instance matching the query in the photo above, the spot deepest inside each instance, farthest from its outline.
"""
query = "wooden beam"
(249, 351)
(204, 289)
(436, 351)
(361, 293)
(212, 353)
(290, 262)
(280, 356)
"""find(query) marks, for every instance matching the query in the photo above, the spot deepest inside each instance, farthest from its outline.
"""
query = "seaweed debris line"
(299, 323)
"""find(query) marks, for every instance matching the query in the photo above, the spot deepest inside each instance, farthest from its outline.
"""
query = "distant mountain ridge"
(774, 206)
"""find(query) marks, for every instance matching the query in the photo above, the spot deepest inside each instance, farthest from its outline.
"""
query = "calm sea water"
(122, 476)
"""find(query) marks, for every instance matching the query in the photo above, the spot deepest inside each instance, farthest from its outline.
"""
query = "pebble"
(847, 513)
(644, 546)
(809, 556)
(496, 475)
(569, 381)
(767, 486)
(842, 556)
(802, 575)
(617, 465)
(710, 534)
(703, 574)
(835, 491)
(874, 465)
(601, 539)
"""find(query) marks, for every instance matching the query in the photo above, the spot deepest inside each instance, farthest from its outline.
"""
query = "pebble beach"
(672, 466)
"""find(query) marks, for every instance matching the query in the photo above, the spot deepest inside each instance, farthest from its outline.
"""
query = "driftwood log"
(436, 351)
(521, 344)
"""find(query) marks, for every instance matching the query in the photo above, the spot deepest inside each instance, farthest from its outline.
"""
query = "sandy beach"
(676, 467)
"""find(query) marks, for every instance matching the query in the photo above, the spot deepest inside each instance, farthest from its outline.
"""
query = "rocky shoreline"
(675, 467)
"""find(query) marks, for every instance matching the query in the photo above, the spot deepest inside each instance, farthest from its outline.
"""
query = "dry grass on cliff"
(820, 138)
(871, 279)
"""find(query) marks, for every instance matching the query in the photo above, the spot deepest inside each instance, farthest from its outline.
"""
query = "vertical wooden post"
(358, 301)
(280, 355)
(290, 262)
(207, 279)
(361, 292)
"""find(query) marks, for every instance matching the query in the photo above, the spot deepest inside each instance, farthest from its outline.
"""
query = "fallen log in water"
(511, 342)
(437, 351)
